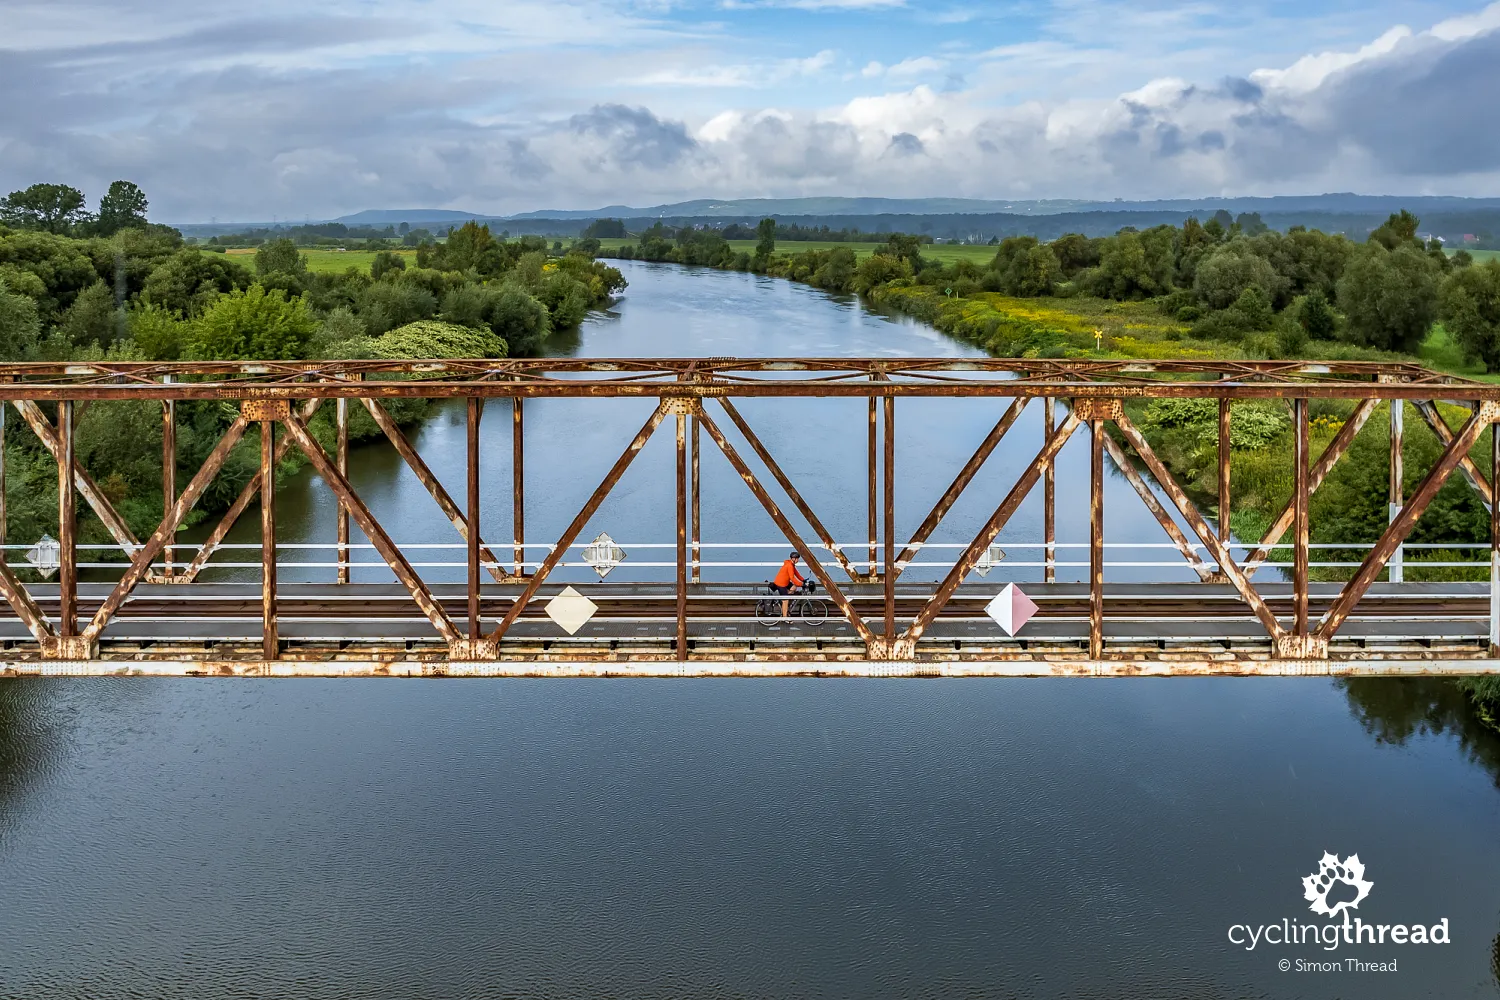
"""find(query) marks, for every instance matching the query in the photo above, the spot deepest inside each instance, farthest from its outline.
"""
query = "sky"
(295, 109)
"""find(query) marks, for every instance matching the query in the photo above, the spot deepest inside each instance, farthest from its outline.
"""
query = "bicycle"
(800, 608)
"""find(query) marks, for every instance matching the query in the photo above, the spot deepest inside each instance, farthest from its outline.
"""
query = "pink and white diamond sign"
(1011, 609)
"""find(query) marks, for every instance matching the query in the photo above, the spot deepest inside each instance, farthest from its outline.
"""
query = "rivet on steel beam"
(266, 409)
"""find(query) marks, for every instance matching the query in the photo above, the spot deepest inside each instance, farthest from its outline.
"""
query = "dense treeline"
(327, 234)
(75, 287)
(1268, 292)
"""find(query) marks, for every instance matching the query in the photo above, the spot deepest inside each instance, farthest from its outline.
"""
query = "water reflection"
(31, 737)
(1394, 710)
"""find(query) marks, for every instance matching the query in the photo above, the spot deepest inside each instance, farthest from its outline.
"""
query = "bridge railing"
(427, 555)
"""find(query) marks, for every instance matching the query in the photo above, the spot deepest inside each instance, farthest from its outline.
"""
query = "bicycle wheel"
(812, 610)
(767, 611)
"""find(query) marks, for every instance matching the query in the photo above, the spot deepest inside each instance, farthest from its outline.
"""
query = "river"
(732, 838)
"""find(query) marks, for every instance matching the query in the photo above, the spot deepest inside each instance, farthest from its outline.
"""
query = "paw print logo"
(1331, 873)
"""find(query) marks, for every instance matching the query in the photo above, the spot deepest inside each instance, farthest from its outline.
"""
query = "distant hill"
(970, 219)
(740, 207)
(396, 216)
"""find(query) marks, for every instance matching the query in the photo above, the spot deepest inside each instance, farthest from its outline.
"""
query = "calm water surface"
(731, 838)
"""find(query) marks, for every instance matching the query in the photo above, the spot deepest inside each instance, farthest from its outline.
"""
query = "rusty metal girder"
(992, 527)
(835, 594)
(570, 534)
(140, 563)
(764, 454)
(960, 483)
(429, 481)
(1320, 469)
(1189, 512)
(1439, 427)
(247, 493)
(1457, 449)
(688, 379)
(87, 488)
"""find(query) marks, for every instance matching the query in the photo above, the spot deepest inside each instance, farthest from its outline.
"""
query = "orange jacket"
(788, 576)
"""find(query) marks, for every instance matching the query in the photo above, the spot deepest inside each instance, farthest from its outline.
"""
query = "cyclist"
(788, 578)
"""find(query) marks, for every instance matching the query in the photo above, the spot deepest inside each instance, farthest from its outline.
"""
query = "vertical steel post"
(697, 508)
(1397, 499)
(475, 412)
(67, 523)
(1495, 543)
(518, 486)
(1096, 539)
(682, 484)
(1225, 452)
(269, 644)
(889, 471)
(341, 459)
(870, 465)
(3, 408)
(1049, 497)
(168, 473)
(1300, 475)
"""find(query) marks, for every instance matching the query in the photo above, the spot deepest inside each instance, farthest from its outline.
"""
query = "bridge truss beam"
(1094, 393)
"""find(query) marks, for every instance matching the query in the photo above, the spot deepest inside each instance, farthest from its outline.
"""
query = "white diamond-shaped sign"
(571, 610)
(987, 560)
(1011, 609)
(44, 556)
(603, 554)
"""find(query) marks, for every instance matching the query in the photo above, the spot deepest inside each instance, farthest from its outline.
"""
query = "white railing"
(859, 549)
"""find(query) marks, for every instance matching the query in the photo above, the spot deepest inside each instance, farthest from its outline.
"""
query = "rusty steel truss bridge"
(149, 612)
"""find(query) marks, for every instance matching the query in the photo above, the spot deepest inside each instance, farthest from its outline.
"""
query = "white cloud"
(580, 103)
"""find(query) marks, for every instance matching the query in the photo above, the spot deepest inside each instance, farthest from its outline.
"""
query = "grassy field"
(327, 260)
(1479, 255)
(945, 252)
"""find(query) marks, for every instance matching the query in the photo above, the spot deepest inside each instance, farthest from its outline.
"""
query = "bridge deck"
(1171, 628)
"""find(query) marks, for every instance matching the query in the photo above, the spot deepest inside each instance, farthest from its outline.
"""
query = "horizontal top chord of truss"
(741, 377)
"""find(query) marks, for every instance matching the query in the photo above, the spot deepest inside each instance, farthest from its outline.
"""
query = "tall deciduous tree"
(251, 325)
(123, 206)
(1469, 303)
(57, 208)
(765, 234)
(1389, 297)
(279, 257)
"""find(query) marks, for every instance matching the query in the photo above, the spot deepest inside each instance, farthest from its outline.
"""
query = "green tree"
(1389, 297)
(385, 262)
(56, 208)
(1397, 231)
(20, 326)
(1315, 315)
(1254, 309)
(1075, 252)
(1469, 304)
(279, 257)
(1131, 266)
(433, 339)
(93, 318)
(253, 324)
(604, 229)
(1250, 223)
(907, 248)
(188, 281)
(123, 206)
(159, 333)
(1227, 271)
(765, 233)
